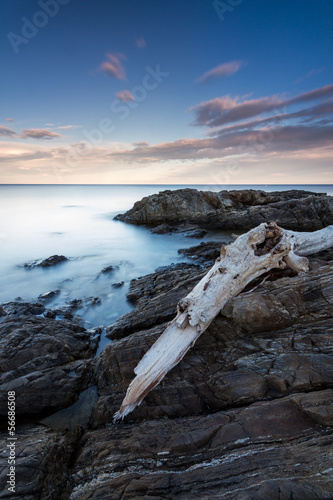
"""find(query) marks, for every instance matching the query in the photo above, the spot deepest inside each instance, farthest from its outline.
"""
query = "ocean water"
(37, 221)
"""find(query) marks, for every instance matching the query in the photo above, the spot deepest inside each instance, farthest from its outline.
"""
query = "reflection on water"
(77, 221)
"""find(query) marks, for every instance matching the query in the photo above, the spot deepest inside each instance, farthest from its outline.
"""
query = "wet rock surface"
(46, 362)
(43, 458)
(49, 262)
(118, 285)
(205, 253)
(109, 269)
(266, 450)
(241, 209)
(155, 297)
(267, 359)
(265, 344)
(47, 296)
(187, 230)
(246, 415)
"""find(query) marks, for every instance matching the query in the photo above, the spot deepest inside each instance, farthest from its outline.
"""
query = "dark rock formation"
(49, 295)
(43, 458)
(75, 303)
(22, 309)
(205, 253)
(268, 450)
(268, 343)
(95, 301)
(49, 262)
(118, 285)
(156, 296)
(188, 230)
(109, 269)
(246, 415)
(243, 209)
(46, 362)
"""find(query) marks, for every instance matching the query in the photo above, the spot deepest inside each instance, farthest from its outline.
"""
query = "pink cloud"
(125, 96)
(222, 70)
(68, 127)
(7, 131)
(312, 95)
(323, 110)
(225, 110)
(36, 133)
(266, 141)
(9, 119)
(113, 66)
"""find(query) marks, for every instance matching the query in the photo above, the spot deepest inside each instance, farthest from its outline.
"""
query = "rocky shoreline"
(247, 414)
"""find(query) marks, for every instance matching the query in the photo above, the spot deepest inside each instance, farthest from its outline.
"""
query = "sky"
(170, 92)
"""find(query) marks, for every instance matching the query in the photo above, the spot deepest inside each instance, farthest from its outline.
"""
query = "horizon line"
(152, 184)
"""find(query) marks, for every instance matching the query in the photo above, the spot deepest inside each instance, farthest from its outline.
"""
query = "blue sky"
(187, 91)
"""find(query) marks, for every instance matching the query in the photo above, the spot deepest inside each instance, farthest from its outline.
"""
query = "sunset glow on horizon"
(190, 92)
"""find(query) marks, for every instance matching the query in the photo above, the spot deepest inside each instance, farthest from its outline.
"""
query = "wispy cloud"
(140, 42)
(307, 115)
(125, 96)
(225, 110)
(68, 127)
(301, 130)
(7, 131)
(37, 155)
(309, 74)
(36, 133)
(268, 136)
(113, 67)
(9, 119)
(287, 138)
(312, 95)
(225, 69)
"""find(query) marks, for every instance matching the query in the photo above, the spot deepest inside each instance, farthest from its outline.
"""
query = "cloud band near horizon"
(225, 110)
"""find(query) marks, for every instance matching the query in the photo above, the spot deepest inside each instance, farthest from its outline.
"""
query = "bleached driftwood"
(252, 254)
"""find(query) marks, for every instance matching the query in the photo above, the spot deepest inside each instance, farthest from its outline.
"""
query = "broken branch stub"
(252, 254)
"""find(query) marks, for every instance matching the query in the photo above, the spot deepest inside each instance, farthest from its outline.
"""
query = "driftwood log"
(252, 254)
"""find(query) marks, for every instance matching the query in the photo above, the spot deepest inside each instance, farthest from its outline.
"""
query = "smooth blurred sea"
(37, 221)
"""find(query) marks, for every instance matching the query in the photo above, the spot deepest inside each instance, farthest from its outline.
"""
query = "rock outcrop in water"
(241, 209)
(45, 263)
